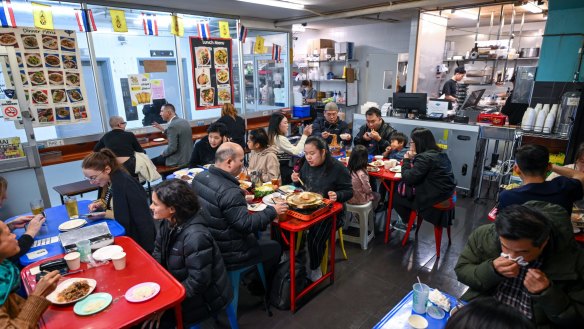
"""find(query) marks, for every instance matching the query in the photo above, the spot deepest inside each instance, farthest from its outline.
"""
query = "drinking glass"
(37, 207)
(71, 206)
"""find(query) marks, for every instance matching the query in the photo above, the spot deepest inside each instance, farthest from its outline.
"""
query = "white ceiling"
(322, 7)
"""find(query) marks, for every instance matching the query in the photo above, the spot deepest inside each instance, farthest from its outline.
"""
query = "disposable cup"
(84, 249)
(73, 260)
(420, 297)
(119, 261)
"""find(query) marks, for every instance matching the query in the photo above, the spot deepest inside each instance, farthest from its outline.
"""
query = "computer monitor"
(410, 101)
(473, 99)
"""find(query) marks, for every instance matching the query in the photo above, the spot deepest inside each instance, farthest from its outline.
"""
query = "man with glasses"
(375, 135)
(180, 139)
(123, 143)
(331, 124)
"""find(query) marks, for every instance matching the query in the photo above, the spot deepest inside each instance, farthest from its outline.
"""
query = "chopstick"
(301, 182)
(72, 272)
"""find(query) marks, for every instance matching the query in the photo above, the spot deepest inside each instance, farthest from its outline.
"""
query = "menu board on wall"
(212, 76)
(50, 68)
(10, 148)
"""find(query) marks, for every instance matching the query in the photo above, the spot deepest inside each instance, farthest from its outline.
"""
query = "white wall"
(431, 38)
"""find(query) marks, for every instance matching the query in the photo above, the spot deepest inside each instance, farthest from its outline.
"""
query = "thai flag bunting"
(204, 32)
(242, 33)
(7, 14)
(85, 20)
(276, 52)
(150, 24)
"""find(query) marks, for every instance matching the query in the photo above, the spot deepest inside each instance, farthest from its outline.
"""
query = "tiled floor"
(372, 281)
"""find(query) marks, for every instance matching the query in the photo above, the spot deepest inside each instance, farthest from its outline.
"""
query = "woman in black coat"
(427, 169)
(235, 124)
(185, 247)
(124, 195)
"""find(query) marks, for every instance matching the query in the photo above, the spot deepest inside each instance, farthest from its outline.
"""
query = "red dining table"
(388, 179)
(294, 226)
(141, 267)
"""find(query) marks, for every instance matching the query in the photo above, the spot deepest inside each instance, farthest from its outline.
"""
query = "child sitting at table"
(362, 192)
(397, 149)
(263, 157)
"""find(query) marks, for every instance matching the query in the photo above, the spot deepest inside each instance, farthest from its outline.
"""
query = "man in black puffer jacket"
(230, 223)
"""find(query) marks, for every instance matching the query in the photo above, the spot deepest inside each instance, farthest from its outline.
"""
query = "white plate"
(288, 188)
(376, 164)
(268, 198)
(142, 292)
(180, 173)
(106, 253)
(395, 169)
(196, 171)
(72, 224)
(159, 139)
(52, 297)
(256, 206)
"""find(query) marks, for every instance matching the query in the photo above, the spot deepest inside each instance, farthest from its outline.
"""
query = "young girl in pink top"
(362, 192)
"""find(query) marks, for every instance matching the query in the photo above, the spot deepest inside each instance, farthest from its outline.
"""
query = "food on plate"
(143, 292)
(221, 56)
(37, 78)
(45, 115)
(376, 163)
(75, 95)
(203, 79)
(58, 95)
(79, 112)
(277, 199)
(222, 76)
(263, 190)
(33, 60)
(70, 64)
(67, 43)
(73, 79)
(75, 291)
(203, 56)
(372, 169)
(50, 42)
(52, 60)
(186, 177)
(7, 39)
(94, 305)
(208, 95)
(439, 299)
(30, 42)
(63, 113)
(55, 78)
(40, 97)
(304, 198)
(244, 184)
(224, 95)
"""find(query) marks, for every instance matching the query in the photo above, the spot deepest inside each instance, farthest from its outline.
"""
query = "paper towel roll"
(297, 99)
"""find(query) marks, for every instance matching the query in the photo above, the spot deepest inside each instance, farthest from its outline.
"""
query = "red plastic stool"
(437, 231)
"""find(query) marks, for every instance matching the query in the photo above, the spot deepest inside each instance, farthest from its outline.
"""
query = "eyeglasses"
(123, 123)
(93, 178)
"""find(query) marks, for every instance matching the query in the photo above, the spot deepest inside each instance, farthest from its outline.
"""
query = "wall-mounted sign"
(11, 110)
(10, 148)
(212, 72)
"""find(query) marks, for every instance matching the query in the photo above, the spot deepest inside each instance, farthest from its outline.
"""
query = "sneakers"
(381, 207)
(314, 275)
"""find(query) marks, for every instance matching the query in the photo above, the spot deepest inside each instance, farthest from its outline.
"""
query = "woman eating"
(185, 247)
(263, 158)
(15, 311)
(124, 195)
(320, 173)
(427, 169)
(277, 130)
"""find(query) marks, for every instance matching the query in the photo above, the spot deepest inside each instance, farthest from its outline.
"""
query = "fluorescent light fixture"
(298, 28)
(465, 14)
(532, 7)
(275, 3)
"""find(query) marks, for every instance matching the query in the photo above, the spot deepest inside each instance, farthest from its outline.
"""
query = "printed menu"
(212, 72)
(50, 69)
(10, 148)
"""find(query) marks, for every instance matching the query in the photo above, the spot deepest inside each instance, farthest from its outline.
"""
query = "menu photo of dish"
(45, 116)
(75, 95)
(24, 78)
(203, 76)
(203, 56)
(79, 112)
(56, 78)
(50, 42)
(8, 39)
(52, 60)
(69, 61)
(33, 60)
(224, 94)
(30, 41)
(37, 78)
(221, 57)
(59, 96)
(207, 96)
(72, 78)
(222, 76)
(68, 44)
(63, 114)
(40, 97)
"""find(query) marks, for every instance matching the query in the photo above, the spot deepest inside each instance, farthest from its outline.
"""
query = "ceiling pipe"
(367, 11)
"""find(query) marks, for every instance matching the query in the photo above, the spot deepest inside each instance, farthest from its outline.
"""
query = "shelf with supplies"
(490, 59)
(337, 70)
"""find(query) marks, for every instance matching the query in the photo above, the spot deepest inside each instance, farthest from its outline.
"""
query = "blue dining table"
(56, 216)
(397, 318)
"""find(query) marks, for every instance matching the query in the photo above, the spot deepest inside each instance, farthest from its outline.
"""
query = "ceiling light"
(275, 3)
(298, 28)
(465, 14)
(532, 7)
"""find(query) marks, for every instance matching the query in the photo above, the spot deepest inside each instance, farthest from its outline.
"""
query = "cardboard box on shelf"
(326, 54)
(317, 44)
(344, 50)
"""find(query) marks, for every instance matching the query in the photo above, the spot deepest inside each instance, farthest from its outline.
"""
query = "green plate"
(84, 307)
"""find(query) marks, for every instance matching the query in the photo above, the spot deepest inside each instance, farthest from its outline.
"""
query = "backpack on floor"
(280, 291)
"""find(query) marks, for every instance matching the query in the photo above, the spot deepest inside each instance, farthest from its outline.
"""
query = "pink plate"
(142, 292)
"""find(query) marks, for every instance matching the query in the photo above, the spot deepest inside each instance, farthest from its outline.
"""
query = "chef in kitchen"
(375, 134)
(330, 125)
(450, 87)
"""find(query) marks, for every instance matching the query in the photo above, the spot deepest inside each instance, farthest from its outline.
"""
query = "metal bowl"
(304, 200)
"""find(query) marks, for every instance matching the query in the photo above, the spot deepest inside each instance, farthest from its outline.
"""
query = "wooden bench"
(75, 188)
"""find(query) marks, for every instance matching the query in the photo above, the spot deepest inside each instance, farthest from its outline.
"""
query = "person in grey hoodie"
(263, 158)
